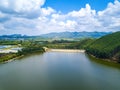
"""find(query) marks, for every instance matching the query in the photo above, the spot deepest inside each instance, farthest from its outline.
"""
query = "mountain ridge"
(75, 34)
(58, 35)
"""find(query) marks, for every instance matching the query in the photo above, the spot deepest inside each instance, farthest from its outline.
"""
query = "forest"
(106, 47)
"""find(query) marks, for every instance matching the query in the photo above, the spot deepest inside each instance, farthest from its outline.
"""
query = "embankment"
(66, 50)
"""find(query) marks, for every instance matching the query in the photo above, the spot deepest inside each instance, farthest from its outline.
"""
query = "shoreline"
(10, 60)
(101, 59)
(51, 50)
(15, 58)
(64, 50)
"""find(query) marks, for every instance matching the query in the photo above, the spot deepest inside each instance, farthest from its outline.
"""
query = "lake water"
(58, 71)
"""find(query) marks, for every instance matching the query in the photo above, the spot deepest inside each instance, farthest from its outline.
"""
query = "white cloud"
(47, 11)
(20, 5)
(27, 17)
(83, 12)
(110, 17)
(82, 20)
(113, 9)
(21, 8)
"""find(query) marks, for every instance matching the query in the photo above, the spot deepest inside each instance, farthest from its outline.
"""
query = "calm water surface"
(58, 71)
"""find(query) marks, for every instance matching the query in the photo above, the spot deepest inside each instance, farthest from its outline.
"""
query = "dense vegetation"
(9, 42)
(64, 44)
(82, 44)
(59, 44)
(8, 56)
(32, 48)
(107, 47)
(28, 47)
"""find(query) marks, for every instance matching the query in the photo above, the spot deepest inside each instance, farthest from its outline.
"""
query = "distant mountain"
(14, 37)
(106, 47)
(61, 35)
(75, 35)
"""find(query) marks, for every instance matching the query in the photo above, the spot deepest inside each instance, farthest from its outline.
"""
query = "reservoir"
(58, 71)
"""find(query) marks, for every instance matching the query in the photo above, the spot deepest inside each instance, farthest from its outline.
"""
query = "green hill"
(82, 44)
(107, 47)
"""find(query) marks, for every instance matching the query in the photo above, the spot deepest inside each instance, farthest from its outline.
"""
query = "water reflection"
(103, 62)
(58, 71)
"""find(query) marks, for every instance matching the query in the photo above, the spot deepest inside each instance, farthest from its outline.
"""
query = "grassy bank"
(5, 57)
(26, 49)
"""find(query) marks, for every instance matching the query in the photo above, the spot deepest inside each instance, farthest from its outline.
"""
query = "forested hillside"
(106, 47)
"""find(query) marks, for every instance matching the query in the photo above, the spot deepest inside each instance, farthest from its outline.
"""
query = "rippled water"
(58, 71)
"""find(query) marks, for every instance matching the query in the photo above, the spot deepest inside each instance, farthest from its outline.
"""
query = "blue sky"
(35, 17)
(66, 6)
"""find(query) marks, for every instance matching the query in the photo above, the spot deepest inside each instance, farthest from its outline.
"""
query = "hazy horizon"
(58, 33)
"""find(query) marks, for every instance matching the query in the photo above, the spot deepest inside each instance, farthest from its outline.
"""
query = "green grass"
(6, 57)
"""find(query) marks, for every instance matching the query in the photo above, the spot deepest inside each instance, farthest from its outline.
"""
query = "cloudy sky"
(35, 17)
